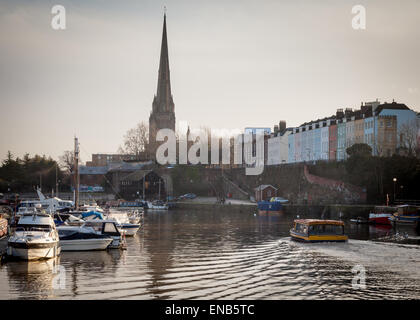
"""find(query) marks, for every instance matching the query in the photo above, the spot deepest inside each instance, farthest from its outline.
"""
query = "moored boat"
(381, 215)
(129, 225)
(3, 227)
(157, 205)
(406, 214)
(109, 228)
(82, 239)
(275, 205)
(35, 238)
(314, 230)
(359, 220)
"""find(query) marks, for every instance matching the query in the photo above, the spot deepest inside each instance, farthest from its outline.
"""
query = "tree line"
(375, 173)
(26, 174)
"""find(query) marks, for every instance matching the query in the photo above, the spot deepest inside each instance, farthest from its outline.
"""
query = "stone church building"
(163, 110)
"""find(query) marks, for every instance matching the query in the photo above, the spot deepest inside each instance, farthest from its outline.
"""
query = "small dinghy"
(360, 220)
(124, 222)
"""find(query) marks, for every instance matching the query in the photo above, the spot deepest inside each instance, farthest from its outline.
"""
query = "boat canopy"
(319, 221)
(385, 209)
(96, 214)
(407, 209)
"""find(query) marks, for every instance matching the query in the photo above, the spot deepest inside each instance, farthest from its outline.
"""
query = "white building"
(278, 148)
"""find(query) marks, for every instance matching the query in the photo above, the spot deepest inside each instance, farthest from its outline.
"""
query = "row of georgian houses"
(382, 126)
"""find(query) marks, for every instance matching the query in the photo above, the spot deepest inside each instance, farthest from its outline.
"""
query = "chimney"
(348, 112)
(276, 129)
(339, 114)
(282, 126)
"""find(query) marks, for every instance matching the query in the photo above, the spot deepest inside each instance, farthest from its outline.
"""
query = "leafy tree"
(359, 150)
(22, 175)
(360, 165)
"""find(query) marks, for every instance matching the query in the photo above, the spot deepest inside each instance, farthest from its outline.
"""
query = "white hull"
(115, 244)
(151, 206)
(158, 208)
(129, 232)
(84, 244)
(34, 253)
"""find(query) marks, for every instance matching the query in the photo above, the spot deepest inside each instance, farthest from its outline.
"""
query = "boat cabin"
(313, 230)
(407, 210)
(103, 227)
(384, 209)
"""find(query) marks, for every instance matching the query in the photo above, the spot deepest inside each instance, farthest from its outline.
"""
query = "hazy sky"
(234, 64)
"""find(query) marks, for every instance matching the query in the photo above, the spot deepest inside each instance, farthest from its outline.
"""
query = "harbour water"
(225, 255)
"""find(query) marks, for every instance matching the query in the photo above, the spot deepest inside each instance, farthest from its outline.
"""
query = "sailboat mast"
(159, 187)
(76, 173)
(56, 179)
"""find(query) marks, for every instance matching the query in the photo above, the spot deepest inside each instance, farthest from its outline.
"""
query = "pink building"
(332, 142)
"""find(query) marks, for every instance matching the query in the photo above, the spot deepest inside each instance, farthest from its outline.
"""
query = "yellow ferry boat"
(313, 230)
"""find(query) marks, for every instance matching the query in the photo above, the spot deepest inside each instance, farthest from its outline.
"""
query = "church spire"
(164, 95)
(163, 107)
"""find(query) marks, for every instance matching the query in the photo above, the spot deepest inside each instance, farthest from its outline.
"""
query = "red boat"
(381, 215)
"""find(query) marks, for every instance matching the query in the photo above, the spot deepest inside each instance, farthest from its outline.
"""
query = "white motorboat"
(123, 222)
(91, 207)
(136, 216)
(157, 205)
(53, 204)
(67, 219)
(34, 238)
(109, 228)
(73, 238)
(27, 206)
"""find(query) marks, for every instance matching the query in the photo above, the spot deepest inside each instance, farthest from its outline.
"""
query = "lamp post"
(395, 180)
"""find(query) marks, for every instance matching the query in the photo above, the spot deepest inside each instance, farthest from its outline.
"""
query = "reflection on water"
(32, 279)
(213, 255)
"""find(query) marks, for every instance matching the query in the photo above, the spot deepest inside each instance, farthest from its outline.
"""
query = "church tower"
(163, 111)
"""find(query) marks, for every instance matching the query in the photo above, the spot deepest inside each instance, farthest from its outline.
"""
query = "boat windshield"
(110, 228)
(321, 229)
(34, 227)
(301, 228)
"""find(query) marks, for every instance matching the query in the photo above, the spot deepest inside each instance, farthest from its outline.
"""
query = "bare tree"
(408, 135)
(66, 161)
(135, 140)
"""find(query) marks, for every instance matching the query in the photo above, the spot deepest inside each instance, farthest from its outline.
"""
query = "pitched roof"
(127, 166)
(113, 167)
(393, 105)
(136, 175)
(93, 170)
(264, 186)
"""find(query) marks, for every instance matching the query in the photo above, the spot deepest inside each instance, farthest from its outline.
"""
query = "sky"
(234, 64)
